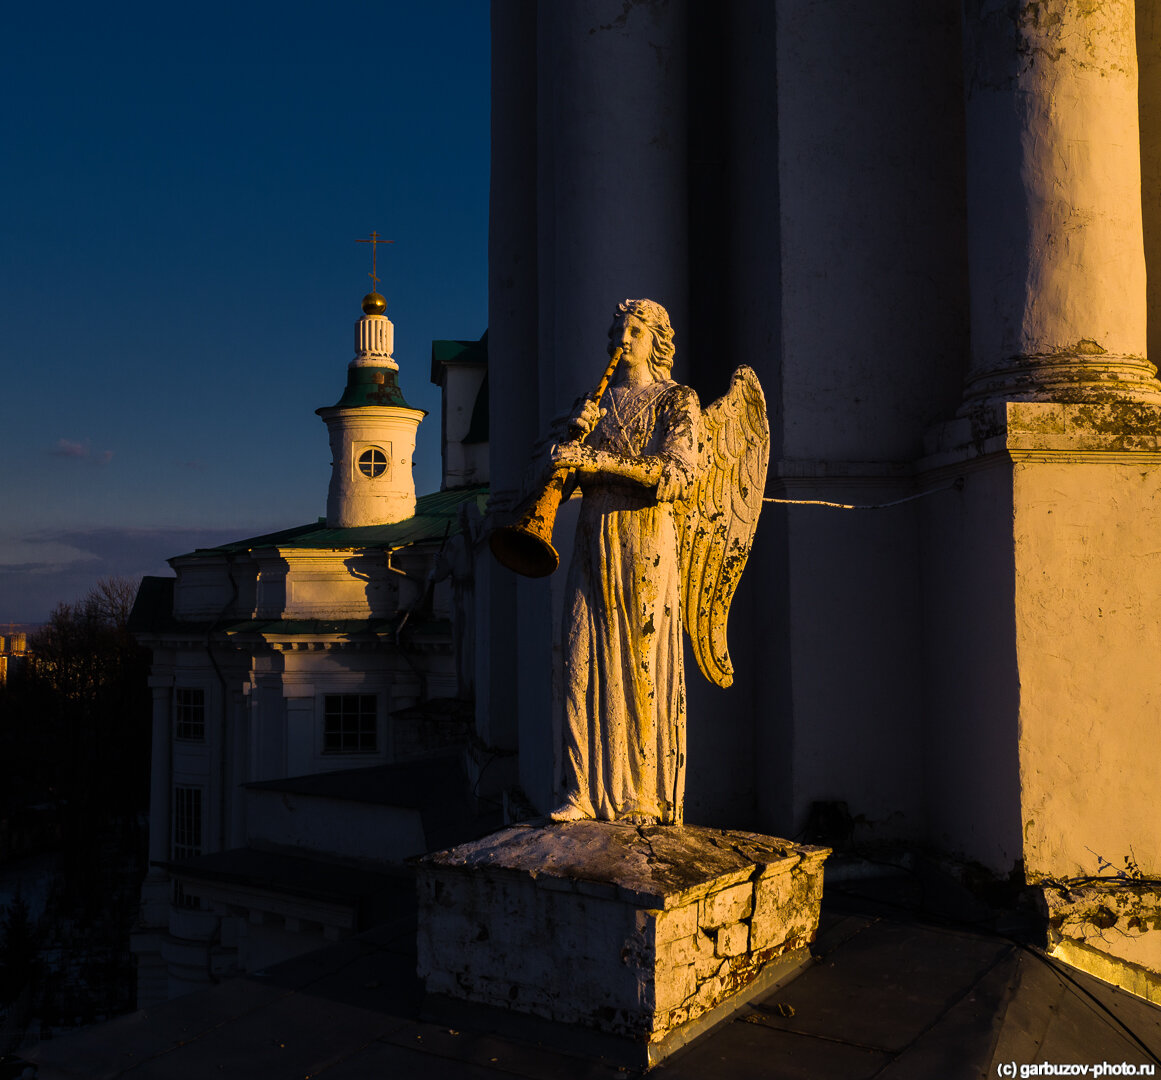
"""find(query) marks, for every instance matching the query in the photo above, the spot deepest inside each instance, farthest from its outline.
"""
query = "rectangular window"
(350, 724)
(190, 714)
(187, 822)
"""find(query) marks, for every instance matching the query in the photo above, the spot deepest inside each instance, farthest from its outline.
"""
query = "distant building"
(13, 654)
(460, 370)
(305, 684)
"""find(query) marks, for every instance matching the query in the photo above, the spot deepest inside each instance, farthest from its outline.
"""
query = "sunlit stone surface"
(671, 499)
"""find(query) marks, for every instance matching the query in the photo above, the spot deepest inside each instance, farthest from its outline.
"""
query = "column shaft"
(1054, 204)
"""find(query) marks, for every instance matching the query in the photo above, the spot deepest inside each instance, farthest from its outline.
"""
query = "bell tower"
(372, 431)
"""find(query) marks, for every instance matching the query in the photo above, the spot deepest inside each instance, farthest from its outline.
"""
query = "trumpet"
(525, 546)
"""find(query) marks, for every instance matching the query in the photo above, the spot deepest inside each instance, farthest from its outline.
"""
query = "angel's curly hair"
(654, 316)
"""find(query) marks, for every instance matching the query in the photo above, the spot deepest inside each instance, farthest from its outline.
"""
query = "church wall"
(267, 727)
(198, 763)
(873, 242)
(204, 590)
(971, 685)
(308, 676)
(868, 350)
(855, 604)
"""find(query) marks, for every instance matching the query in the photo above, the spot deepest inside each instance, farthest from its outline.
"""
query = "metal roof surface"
(891, 995)
(435, 517)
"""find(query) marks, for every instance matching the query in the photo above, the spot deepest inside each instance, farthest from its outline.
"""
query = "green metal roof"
(457, 352)
(350, 628)
(435, 517)
(372, 386)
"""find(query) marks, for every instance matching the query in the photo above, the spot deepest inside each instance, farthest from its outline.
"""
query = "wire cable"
(957, 484)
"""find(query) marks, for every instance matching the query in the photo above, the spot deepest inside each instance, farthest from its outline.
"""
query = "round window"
(373, 462)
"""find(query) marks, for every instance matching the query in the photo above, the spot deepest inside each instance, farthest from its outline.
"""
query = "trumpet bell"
(526, 545)
(523, 551)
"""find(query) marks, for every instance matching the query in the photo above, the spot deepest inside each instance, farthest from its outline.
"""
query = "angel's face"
(635, 340)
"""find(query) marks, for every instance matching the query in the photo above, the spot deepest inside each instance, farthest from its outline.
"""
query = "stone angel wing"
(720, 517)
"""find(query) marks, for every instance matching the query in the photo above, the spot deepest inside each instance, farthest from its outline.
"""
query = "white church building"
(310, 692)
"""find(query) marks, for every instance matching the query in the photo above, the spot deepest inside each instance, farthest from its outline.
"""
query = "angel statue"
(671, 498)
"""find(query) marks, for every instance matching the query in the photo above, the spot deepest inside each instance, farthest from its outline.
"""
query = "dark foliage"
(19, 946)
(75, 726)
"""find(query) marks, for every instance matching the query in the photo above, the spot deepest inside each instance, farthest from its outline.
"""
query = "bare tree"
(112, 599)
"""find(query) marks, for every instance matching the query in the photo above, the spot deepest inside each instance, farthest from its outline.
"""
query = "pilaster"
(1042, 575)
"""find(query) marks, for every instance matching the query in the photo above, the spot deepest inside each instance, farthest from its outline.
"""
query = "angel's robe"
(624, 686)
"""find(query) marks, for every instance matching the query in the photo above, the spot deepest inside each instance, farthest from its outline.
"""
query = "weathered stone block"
(732, 940)
(677, 953)
(786, 904)
(728, 906)
(675, 923)
(634, 932)
(672, 985)
(708, 960)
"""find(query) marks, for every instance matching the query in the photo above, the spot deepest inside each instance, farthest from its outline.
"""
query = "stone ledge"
(637, 932)
(653, 866)
(1046, 427)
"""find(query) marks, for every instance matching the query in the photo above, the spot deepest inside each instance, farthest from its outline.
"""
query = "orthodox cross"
(374, 241)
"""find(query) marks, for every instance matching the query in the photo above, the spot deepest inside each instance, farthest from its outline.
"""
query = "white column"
(611, 224)
(1054, 203)
(612, 179)
(155, 890)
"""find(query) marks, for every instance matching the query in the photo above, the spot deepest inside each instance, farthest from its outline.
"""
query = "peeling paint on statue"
(671, 501)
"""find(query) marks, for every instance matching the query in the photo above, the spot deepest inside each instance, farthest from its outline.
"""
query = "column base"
(1107, 927)
(1084, 375)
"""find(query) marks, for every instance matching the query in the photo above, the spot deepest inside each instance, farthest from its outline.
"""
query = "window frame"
(359, 732)
(179, 722)
(359, 448)
(187, 832)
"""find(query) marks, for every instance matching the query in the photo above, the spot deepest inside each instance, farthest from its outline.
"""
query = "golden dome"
(374, 303)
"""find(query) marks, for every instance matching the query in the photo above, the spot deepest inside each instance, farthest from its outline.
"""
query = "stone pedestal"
(650, 935)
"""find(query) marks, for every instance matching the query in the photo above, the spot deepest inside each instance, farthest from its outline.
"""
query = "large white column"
(512, 348)
(612, 179)
(598, 183)
(1054, 203)
(156, 889)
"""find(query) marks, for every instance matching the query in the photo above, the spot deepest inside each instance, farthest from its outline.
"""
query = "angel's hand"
(586, 418)
(567, 455)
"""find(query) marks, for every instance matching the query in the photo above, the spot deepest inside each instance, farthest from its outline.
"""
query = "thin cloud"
(81, 450)
(39, 571)
(68, 448)
(41, 554)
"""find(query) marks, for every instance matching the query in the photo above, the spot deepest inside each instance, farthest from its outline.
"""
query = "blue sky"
(183, 186)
